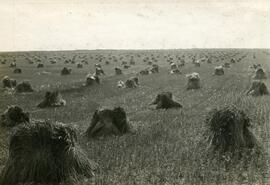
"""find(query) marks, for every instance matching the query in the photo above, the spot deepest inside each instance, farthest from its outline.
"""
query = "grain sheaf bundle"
(182, 63)
(209, 61)
(106, 122)
(65, 71)
(44, 152)
(193, 81)
(13, 64)
(98, 65)
(259, 74)
(219, 70)
(8, 82)
(165, 100)
(121, 84)
(52, 99)
(232, 61)
(226, 65)
(126, 66)
(17, 70)
(24, 87)
(255, 66)
(173, 66)
(197, 63)
(257, 88)
(79, 65)
(13, 116)
(175, 71)
(118, 71)
(92, 79)
(40, 65)
(228, 132)
(144, 72)
(132, 82)
(99, 71)
(155, 68)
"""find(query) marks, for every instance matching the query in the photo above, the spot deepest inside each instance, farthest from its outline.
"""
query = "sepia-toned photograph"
(135, 92)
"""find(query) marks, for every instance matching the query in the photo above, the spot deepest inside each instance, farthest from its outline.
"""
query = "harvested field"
(165, 146)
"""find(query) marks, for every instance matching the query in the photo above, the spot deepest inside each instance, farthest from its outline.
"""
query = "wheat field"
(166, 146)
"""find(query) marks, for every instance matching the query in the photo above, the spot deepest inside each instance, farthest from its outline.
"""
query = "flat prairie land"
(166, 146)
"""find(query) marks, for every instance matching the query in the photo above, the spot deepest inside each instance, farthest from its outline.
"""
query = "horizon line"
(10, 51)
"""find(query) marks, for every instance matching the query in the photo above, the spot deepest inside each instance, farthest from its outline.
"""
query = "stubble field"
(166, 146)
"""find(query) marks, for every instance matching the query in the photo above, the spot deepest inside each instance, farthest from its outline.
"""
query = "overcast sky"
(133, 24)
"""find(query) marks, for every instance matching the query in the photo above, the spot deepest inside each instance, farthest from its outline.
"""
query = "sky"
(133, 24)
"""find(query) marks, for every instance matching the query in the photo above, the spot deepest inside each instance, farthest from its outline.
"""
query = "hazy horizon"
(54, 25)
(108, 50)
